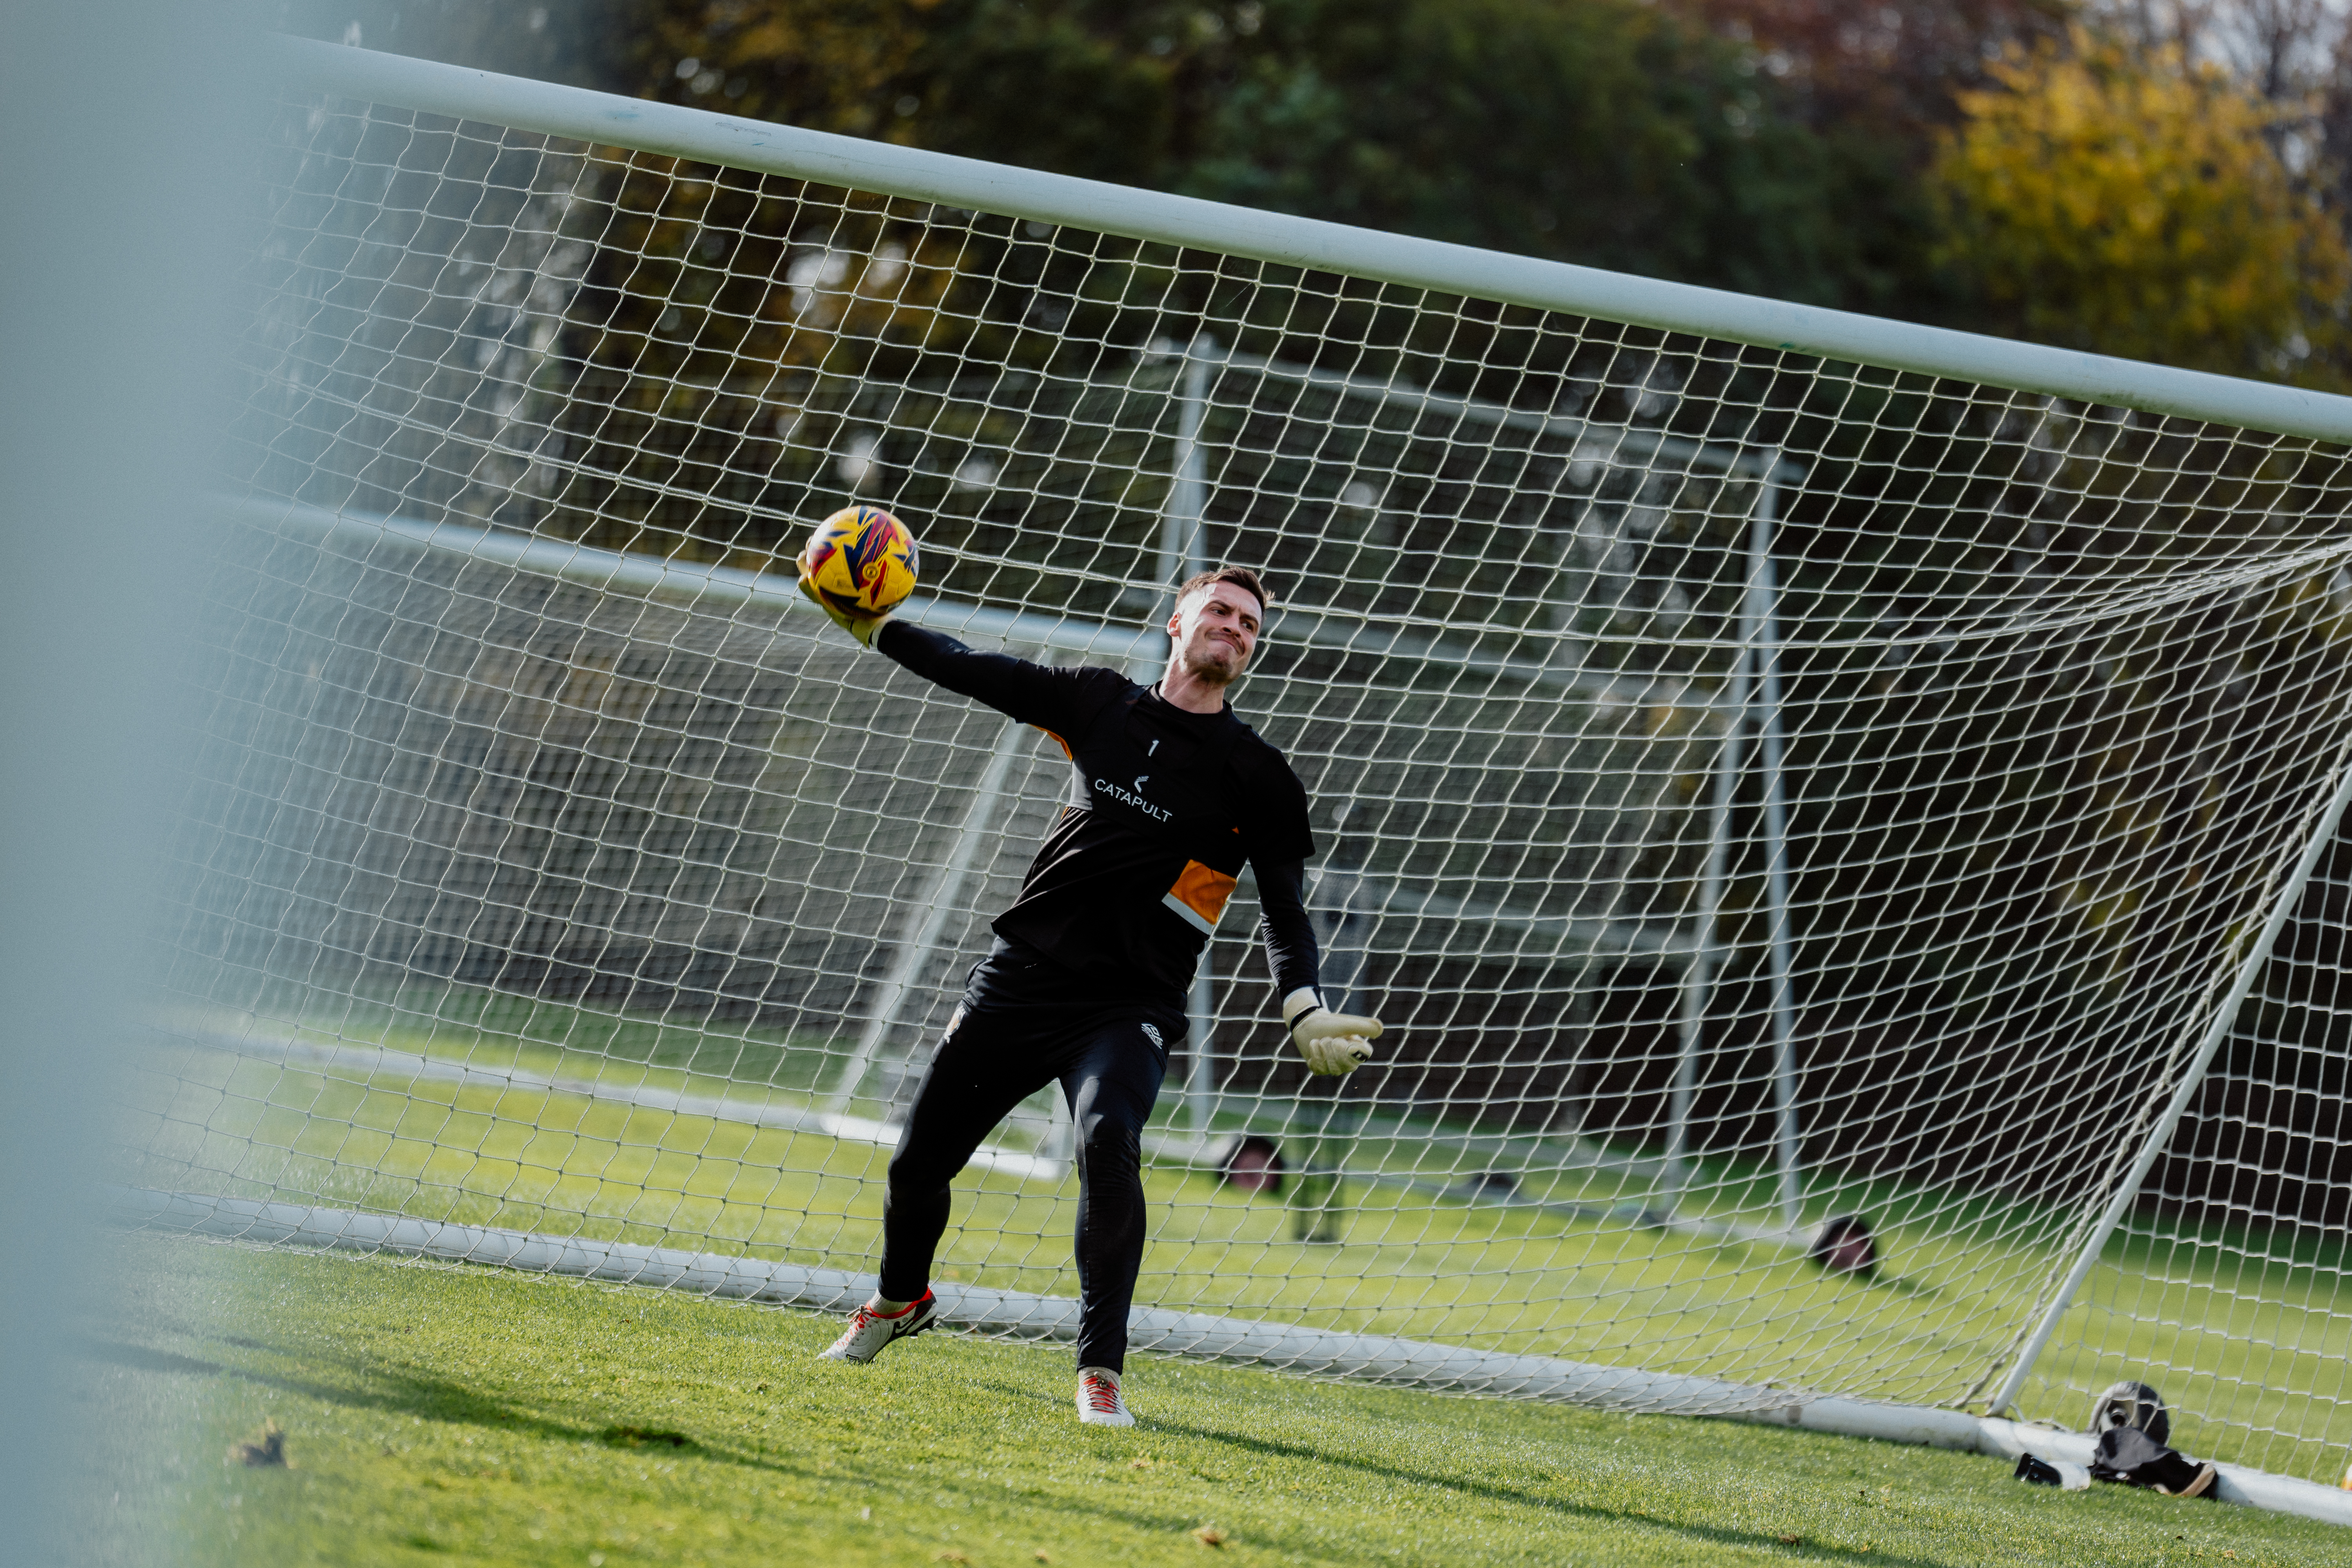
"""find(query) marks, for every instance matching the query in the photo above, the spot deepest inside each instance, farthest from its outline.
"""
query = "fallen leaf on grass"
(1791, 1539)
(1144, 1463)
(950, 1555)
(1209, 1535)
(269, 1450)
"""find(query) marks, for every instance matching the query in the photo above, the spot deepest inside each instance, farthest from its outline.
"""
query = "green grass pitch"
(2271, 1388)
(447, 1415)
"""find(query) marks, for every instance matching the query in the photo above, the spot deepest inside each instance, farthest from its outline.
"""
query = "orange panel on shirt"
(1199, 895)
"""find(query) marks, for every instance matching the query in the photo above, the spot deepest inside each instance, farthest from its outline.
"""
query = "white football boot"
(870, 1330)
(1099, 1403)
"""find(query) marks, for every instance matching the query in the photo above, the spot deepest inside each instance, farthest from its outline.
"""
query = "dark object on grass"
(270, 1450)
(2134, 1404)
(2131, 1456)
(1249, 1162)
(1844, 1246)
(2041, 1472)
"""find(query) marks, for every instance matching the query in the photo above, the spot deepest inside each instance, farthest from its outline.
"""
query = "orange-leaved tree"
(2136, 202)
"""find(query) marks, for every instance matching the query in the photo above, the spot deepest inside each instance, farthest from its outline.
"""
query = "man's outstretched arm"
(1032, 693)
(1330, 1042)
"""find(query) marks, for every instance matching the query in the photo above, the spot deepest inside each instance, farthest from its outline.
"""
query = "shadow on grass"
(1484, 1491)
(398, 1391)
(145, 1357)
(405, 1392)
(1488, 1491)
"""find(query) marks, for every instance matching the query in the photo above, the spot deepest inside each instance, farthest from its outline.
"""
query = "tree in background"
(1594, 130)
(1842, 152)
(571, 41)
(2133, 201)
(1875, 81)
(1888, 65)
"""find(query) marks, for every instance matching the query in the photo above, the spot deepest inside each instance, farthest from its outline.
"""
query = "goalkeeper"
(1086, 980)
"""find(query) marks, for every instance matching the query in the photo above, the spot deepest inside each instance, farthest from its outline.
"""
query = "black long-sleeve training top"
(1165, 806)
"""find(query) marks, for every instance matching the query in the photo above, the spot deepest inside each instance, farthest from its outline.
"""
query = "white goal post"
(1842, 817)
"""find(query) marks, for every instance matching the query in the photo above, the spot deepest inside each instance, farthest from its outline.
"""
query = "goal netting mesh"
(1755, 790)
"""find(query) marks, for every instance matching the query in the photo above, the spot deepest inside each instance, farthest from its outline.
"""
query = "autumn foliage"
(2137, 203)
(1980, 163)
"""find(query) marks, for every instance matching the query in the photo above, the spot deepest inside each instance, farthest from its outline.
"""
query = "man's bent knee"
(922, 1173)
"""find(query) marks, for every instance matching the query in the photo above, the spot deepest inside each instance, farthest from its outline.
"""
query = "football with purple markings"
(862, 560)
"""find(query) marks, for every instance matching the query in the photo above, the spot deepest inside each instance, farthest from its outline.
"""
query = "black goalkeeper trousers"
(1020, 1027)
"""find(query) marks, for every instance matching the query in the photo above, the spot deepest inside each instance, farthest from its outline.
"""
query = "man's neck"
(1182, 688)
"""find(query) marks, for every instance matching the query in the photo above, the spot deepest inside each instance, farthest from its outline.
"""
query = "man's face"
(1215, 630)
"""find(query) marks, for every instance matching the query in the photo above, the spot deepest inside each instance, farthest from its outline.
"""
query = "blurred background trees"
(2134, 201)
(2167, 181)
(1600, 131)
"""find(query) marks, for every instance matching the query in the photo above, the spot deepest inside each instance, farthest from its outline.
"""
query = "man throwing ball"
(1086, 983)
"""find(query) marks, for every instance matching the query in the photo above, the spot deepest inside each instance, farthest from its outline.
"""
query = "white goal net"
(1758, 790)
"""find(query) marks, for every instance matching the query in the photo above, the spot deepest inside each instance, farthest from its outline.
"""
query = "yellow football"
(862, 560)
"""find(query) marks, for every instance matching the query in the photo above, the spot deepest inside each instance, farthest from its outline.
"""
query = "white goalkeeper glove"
(862, 628)
(1330, 1043)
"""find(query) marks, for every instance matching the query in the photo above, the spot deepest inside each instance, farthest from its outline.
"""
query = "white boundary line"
(1287, 1347)
(666, 128)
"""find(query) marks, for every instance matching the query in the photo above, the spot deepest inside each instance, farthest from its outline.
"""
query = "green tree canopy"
(1593, 130)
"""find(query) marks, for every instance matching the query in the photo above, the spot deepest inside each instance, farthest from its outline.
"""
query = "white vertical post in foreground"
(2216, 1030)
(1699, 977)
(1200, 1037)
(1183, 526)
(1762, 637)
(1183, 552)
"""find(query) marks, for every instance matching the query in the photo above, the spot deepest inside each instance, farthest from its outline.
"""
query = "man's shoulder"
(1095, 683)
(1257, 757)
(1273, 805)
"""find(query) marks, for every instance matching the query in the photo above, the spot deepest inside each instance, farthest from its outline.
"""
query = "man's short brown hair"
(1240, 577)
